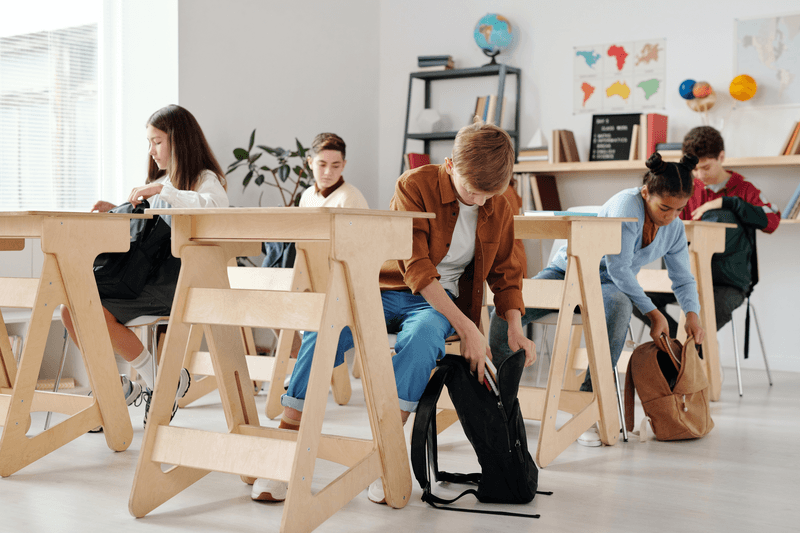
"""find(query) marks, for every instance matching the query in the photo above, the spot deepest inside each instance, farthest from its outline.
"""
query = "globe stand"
(492, 54)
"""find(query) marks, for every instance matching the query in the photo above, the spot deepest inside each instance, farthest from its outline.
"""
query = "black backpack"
(124, 274)
(494, 426)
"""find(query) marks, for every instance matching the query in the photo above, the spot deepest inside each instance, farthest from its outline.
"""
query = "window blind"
(49, 127)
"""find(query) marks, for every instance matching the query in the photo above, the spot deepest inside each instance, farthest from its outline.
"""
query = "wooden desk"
(589, 239)
(70, 242)
(359, 242)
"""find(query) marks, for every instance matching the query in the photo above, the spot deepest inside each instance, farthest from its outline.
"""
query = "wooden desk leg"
(201, 385)
(701, 266)
(581, 287)
(8, 364)
(203, 266)
(369, 333)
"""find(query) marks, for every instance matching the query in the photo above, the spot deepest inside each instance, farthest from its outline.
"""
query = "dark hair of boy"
(327, 141)
(703, 141)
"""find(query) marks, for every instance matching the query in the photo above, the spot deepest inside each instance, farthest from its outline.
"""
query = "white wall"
(699, 46)
(288, 69)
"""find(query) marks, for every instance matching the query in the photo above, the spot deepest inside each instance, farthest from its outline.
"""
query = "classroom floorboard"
(741, 477)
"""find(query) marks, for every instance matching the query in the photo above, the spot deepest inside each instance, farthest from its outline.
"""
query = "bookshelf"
(545, 167)
(428, 77)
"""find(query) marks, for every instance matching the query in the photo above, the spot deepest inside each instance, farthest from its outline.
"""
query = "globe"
(493, 34)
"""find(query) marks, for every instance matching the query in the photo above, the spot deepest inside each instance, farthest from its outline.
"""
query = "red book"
(417, 160)
(656, 132)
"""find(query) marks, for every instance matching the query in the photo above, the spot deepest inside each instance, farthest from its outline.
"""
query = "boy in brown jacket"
(439, 290)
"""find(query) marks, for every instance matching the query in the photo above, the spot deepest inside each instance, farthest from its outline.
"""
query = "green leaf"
(283, 172)
(252, 140)
(270, 151)
(266, 168)
(254, 157)
(259, 179)
(246, 179)
(298, 170)
(301, 151)
(240, 153)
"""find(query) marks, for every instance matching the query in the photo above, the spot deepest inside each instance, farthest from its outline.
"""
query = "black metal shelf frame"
(499, 70)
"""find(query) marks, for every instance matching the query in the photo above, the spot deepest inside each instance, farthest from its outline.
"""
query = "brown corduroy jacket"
(429, 189)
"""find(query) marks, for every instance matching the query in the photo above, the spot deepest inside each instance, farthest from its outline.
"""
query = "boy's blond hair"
(484, 156)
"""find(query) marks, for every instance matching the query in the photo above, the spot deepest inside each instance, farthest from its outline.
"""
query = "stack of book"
(564, 149)
(792, 210)
(652, 131)
(670, 150)
(486, 109)
(416, 160)
(533, 153)
(792, 144)
(434, 62)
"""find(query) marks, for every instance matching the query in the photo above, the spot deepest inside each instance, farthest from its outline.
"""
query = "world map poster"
(768, 49)
(625, 77)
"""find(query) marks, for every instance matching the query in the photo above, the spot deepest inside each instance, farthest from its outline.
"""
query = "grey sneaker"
(183, 385)
(133, 395)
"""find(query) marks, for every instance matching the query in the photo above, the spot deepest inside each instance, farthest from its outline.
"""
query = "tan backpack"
(673, 389)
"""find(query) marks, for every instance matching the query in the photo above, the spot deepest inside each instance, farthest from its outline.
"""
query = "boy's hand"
(475, 349)
(698, 213)
(518, 341)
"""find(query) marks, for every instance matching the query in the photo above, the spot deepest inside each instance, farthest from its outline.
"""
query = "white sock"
(144, 367)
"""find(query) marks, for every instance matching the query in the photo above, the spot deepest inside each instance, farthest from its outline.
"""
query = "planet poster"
(623, 77)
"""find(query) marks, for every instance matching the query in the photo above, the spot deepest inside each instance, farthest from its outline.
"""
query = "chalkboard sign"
(611, 136)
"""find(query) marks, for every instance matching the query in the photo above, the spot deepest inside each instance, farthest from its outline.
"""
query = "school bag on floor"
(492, 422)
(673, 389)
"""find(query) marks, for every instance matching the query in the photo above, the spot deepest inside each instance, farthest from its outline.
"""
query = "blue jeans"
(618, 308)
(421, 333)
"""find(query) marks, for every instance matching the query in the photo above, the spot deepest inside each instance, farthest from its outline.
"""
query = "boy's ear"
(721, 157)
(448, 165)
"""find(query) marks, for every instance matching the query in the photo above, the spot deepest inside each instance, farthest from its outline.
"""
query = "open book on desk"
(559, 214)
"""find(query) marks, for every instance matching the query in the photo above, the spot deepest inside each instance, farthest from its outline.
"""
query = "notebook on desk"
(559, 214)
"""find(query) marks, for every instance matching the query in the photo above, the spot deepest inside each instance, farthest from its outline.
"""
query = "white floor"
(744, 476)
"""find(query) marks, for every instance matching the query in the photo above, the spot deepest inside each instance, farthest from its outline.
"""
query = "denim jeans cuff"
(410, 407)
(294, 403)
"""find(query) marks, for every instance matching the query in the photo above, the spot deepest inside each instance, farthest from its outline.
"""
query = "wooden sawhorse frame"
(271, 369)
(360, 241)
(70, 242)
(589, 239)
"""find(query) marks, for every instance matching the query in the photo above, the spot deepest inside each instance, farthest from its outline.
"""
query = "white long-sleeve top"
(209, 193)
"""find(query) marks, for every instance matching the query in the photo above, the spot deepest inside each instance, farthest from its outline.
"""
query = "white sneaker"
(269, 490)
(375, 492)
(590, 438)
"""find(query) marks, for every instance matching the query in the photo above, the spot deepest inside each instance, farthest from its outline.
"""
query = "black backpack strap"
(423, 436)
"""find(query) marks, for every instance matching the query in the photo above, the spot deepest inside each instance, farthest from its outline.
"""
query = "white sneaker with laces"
(590, 438)
(269, 490)
(375, 492)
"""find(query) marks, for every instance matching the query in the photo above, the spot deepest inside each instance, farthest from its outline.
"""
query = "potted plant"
(290, 180)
